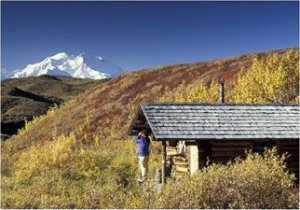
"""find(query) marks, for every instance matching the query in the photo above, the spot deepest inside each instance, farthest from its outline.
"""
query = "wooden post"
(194, 159)
(164, 159)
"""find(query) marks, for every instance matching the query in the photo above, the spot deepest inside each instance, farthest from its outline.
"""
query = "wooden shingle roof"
(194, 121)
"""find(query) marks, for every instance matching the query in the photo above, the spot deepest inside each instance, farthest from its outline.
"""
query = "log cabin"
(194, 135)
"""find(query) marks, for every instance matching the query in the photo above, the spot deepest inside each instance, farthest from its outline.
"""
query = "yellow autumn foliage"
(257, 182)
(199, 93)
(68, 173)
(274, 79)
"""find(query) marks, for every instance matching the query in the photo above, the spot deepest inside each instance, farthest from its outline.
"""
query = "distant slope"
(111, 105)
(25, 98)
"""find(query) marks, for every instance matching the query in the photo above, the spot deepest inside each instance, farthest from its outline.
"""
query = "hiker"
(143, 142)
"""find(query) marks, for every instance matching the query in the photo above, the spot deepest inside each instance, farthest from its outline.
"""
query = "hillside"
(25, 98)
(82, 151)
(119, 97)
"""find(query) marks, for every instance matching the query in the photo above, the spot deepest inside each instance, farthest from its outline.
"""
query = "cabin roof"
(195, 121)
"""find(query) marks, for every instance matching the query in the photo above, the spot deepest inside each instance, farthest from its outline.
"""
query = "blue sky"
(136, 35)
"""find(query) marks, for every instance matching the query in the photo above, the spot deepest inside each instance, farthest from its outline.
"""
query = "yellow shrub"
(65, 173)
(256, 182)
(43, 156)
(199, 93)
(274, 79)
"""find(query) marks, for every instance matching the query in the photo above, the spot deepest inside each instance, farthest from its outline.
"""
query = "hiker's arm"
(138, 141)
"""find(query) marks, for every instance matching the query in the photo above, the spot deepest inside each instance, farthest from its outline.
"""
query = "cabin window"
(261, 146)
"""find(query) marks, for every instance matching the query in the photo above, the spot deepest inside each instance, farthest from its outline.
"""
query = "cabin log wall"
(204, 153)
(224, 151)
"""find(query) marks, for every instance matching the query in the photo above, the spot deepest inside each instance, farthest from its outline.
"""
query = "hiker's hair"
(145, 132)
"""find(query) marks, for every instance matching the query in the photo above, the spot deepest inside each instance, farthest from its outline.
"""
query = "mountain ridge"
(62, 64)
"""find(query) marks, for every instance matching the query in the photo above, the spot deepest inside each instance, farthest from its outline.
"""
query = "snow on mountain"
(62, 64)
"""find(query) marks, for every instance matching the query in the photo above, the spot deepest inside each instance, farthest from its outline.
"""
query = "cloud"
(100, 58)
(5, 74)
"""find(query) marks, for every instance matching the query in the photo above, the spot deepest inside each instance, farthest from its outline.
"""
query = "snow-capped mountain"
(62, 64)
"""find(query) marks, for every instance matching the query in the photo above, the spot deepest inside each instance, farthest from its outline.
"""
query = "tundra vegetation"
(25, 98)
(79, 155)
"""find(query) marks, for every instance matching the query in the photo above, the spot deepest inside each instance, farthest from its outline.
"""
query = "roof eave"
(138, 110)
(149, 122)
(235, 139)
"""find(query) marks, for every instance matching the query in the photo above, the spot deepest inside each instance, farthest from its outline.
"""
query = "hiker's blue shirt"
(143, 146)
